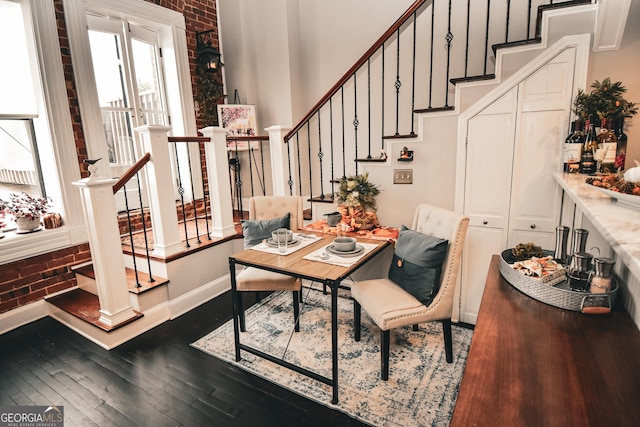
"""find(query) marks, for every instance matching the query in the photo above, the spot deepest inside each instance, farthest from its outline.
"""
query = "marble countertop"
(618, 223)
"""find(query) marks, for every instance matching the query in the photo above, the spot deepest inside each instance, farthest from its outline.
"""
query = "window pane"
(107, 66)
(16, 84)
(148, 82)
(19, 169)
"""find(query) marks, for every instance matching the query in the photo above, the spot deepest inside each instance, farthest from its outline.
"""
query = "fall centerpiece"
(26, 210)
(357, 204)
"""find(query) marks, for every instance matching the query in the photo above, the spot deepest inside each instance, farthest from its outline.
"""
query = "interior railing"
(246, 152)
(412, 68)
(134, 171)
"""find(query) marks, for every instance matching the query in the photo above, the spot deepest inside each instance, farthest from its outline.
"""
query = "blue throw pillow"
(255, 231)
(417, 263)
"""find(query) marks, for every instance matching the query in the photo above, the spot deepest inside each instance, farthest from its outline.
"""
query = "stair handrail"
(359, 63)
(134, 169)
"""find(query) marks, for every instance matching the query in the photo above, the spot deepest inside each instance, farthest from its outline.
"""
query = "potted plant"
(357, 203)
(26, 210)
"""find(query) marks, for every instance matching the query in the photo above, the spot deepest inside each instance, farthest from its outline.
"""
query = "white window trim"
(55, 108)
(170, 26)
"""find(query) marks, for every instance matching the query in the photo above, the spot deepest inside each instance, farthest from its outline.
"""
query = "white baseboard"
(196, 297)
(20, 316)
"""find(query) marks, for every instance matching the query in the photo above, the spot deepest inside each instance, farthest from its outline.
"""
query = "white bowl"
(344, 244)
(281, 234)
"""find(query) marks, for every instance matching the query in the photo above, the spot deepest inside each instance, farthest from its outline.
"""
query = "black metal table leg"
(334, 339)
(234, 304)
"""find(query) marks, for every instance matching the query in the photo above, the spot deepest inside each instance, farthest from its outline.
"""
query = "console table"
(537, 365)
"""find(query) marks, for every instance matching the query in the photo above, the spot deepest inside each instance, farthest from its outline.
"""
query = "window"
(37, 147)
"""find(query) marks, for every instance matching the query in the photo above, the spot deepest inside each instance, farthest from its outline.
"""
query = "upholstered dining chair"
(264, 213)
(391, 306)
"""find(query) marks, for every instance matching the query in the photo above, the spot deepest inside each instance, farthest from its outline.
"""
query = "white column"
(280, 161)
(218, 180)
(160, 187)
(106, 249)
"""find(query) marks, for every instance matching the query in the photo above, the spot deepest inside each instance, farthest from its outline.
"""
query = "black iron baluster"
(238, 177)
(320, 156)
(398, 84)
(344, 156)
(433, 7)
(193, 197)
(133, 250)
(529, 20)
(356, 122)
(290, 181)
(486, 38)
(333, 177)
(413, 76)
(466, 49)
(144, 232)
(181, 192)
(299, 168)
(249, 153)
(448, 38)
(262, 184)
(506, 32)
(368, 108)
(383, 104)
(309, 160)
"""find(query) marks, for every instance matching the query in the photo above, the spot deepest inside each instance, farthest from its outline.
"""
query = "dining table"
(313, 261)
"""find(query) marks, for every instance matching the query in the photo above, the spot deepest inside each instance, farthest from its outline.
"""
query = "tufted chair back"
(443, 224)
(270, 207)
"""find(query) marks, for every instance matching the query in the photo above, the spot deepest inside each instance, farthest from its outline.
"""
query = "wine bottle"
(573, 148)
(609, 146)
(587, 162)
(621, 148)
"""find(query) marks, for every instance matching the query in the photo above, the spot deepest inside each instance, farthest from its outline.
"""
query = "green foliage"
(356, 190)
(209, 93)
(605, 100)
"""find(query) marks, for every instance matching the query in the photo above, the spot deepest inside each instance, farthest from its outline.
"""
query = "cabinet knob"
(533, 226)
(485, 222)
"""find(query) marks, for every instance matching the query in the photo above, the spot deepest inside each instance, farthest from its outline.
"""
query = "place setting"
(285, 242)
(343, 251)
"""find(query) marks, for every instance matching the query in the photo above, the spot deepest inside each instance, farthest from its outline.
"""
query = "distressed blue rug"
(422, 386)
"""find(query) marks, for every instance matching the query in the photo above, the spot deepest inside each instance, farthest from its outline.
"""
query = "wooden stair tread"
(371, 160)
(85, 306)
(435, 109)
(326, 199)
(409, 135)
(146, 285)
(515, 43)
(477, 78)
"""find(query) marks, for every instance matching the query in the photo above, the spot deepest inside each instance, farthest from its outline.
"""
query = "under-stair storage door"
(543, 112)
(487, 195)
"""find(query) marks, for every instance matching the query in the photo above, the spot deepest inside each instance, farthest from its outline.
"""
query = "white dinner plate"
(272, 243)
(357, 251)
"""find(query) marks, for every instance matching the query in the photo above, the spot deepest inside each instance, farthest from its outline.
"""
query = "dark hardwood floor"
(157, 379)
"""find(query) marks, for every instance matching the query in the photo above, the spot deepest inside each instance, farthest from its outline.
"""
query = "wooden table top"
(294, 263)
(537, 365)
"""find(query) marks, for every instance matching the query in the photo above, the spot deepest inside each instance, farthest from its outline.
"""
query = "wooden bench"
(537, 365)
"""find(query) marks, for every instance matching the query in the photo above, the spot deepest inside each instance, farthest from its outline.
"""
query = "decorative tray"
(628, 200)
(558, 295)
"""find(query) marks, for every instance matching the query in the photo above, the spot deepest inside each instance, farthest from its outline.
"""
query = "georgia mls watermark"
(31, 416)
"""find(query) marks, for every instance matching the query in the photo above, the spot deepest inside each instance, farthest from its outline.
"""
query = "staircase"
(416, 69)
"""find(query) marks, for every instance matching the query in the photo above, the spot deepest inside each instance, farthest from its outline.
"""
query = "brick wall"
(31, 279)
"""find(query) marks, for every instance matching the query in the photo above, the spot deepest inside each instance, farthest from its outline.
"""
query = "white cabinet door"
(487, 196)
(513, 147)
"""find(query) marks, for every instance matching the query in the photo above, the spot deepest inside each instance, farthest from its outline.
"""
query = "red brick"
(60, 287)
(8, 305)
(32, 296)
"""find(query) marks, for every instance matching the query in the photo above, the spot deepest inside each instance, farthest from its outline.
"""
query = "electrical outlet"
(403, 176)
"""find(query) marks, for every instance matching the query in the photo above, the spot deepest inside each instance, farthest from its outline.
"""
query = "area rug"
(422, 386)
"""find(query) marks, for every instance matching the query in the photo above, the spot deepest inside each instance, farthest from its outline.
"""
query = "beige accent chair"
(390, 306)
(255, 279)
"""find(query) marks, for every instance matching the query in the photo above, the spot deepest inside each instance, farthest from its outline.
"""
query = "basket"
(558, 295)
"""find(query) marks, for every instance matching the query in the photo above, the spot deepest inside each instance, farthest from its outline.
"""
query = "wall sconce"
(207, 55)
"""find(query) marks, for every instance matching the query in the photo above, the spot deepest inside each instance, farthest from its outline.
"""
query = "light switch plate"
(403, 176)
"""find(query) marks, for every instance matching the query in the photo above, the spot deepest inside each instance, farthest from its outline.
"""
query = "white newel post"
(106, 249)
(162, 204)
(280, 162)
(218, 180)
